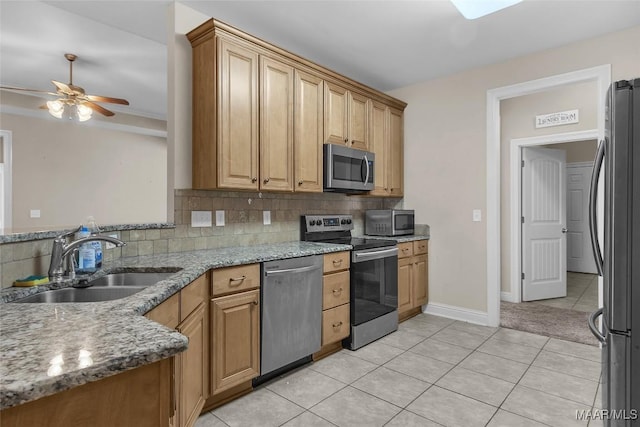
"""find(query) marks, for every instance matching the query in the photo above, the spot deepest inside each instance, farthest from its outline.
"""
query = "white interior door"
(579, 255)
(544, 243)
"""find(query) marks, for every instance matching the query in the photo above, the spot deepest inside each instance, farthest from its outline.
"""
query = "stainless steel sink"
(130, 279)
(91, 294)
(106, 288)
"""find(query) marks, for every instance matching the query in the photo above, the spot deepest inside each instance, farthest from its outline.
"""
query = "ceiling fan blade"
(98, 108)
(27, 90)
(62, 87)
(98, 98)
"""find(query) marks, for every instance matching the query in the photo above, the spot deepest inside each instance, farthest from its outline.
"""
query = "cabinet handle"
(337, 261)
(266, 180)
(239, 280)
(346, 140)
(254, 179)
(335, 291)
(255, 302)
(337, 325)
(299, 182)
(405, 249)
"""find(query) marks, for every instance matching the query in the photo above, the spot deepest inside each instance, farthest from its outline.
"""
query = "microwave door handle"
(366, 162)
(593, 197)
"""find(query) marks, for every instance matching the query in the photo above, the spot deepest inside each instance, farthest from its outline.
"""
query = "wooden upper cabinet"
(379, 145)
(276, 125)
(336, 130)
(346, 117)
(308, 132)
(396, 152)
(358, 121)
(238, 116)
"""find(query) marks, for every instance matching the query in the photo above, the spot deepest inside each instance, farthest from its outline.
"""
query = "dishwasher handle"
(292, 270)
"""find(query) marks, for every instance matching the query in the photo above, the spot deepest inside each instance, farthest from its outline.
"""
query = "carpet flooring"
(570, 325)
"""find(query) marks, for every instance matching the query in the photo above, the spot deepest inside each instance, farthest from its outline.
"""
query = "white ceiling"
(385, 44)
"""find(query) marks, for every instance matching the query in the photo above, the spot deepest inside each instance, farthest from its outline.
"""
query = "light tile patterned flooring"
(582, 293)
(433, 371)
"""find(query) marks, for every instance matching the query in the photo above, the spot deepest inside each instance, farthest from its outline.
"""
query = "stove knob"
(344, 221)
(348, 221)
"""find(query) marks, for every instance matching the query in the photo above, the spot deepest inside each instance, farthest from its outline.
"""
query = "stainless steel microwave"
(389, 222)
(347, 170)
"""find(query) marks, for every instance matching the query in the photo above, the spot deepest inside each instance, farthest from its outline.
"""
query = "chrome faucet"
(62, 251)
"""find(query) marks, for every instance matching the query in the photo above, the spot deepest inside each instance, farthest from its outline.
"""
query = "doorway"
(5, 181)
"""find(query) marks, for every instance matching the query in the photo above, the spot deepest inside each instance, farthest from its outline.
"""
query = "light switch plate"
(200, 218)
(266, 217)
(34, 213)
(477, 215)
(219, 218)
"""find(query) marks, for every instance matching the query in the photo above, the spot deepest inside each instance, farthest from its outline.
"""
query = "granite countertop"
(46, 348)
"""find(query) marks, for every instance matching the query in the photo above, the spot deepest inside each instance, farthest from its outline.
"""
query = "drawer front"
(235, 279)
(194, 294)
(420, 247)
(335, 324)
(405, 249)
(167, 313)
(335, 289)
(336, 261)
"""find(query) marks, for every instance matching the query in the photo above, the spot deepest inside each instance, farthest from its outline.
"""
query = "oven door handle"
(369, 256)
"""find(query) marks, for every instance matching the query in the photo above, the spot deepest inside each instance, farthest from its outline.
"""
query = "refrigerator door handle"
(593, 197)
(594, 329)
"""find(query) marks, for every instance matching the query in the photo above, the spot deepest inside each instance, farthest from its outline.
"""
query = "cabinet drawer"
(193, 295)
(336, 261)
(420, 247)
(167, 313)
(335, 324)
(405, 249)
(235, 279)
(335, 289)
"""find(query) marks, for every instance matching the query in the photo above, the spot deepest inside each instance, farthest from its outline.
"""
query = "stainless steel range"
(374, 276)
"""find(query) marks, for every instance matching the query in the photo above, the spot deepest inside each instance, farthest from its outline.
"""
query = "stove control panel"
(322, 223)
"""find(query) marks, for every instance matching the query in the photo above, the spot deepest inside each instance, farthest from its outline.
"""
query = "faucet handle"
(68, 233)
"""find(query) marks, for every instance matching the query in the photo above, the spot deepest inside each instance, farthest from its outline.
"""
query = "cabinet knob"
(337, 324)
(336, 291)
(255, 302)
(254, 179)
(337, 261)
(299, 182)
(266, 180)
(346, 140)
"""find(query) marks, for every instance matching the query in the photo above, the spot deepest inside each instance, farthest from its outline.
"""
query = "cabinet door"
(238, 116)
(358, 121)
(236, 339)
(379, 144)
(335, 114)
(308, 132)
(276, 125)
(193, 367)
(396, 152)
(420, 280)
(404, 284)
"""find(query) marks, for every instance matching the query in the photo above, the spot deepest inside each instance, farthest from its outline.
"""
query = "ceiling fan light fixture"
(56, 108)
(473, 9)
(83, 112)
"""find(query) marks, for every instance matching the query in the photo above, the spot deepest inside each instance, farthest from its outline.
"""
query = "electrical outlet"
(477, 215)
(219, 218)
(34, 213)
(266, 217)
(111, 245)
(200, 218)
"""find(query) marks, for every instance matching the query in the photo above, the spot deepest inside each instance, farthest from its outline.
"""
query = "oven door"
(374, 283)
(403, 223)
(347, 169)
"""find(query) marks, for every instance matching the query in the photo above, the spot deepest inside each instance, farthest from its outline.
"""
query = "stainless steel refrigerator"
(619, 264)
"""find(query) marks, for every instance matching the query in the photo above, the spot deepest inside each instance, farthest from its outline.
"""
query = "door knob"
(564, 230)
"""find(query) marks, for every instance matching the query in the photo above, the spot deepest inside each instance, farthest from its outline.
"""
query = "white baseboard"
(457, 313)
(507, 296)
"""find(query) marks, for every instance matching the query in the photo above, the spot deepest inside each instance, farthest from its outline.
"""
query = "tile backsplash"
(243, 226)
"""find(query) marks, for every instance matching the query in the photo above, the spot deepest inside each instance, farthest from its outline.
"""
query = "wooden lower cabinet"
(139, 397)
(236, 340)
(413, 278)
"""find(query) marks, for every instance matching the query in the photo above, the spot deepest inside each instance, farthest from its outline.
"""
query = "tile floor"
(432, 372)
(582, 293)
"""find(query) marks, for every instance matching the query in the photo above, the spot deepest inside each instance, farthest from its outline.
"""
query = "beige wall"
(579, 151)
(70, 171)
(517, 119)
(445, 155)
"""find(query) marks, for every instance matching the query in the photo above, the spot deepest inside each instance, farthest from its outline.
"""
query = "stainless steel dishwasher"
(291, 313)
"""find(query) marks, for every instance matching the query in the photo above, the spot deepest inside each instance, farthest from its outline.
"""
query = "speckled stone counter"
(401, 239)
(46, 348)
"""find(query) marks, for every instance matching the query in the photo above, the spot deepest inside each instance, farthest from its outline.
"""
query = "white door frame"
(7, 161)
(602, 75)
(515, 155)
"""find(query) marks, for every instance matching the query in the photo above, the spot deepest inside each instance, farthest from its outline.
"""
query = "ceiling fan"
(73, 98)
